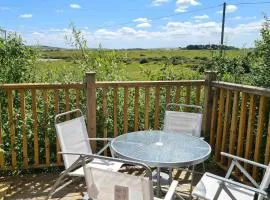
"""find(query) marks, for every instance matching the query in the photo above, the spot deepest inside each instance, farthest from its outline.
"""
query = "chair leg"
(170, 175)
(191, 182)
(203, 167)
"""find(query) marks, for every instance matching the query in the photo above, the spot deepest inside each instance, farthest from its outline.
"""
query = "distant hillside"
(208, 46)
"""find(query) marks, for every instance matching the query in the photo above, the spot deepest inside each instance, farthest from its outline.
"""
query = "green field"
(183, 62)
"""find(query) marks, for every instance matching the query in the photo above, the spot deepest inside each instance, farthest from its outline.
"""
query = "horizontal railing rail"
(242, 88)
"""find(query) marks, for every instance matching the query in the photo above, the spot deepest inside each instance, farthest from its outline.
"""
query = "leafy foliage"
(261, 62)
(16, 60)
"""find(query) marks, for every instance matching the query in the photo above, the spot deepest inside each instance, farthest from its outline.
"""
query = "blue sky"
(131, 24)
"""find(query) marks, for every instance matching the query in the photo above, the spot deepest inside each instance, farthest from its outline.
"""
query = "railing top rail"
(105, 84)
(242, 88)
(17, 86)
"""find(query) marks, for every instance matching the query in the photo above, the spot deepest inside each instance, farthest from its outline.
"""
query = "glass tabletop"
(161, 149)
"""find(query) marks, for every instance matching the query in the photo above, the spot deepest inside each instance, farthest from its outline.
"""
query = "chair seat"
(100, 164)
(208, 186)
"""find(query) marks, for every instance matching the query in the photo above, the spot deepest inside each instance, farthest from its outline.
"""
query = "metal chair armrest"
(86, 155)
(256, 190)
(100, 139)
(171, 191)
(243, 160)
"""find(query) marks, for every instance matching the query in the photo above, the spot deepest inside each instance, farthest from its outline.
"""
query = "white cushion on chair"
(208, 186)
(100, 164)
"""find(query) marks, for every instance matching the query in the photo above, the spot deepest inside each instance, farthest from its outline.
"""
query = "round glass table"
(161, 149)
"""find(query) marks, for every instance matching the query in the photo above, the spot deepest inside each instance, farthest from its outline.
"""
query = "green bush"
(16, 60)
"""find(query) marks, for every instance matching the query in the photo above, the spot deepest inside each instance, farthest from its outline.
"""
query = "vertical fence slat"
(115, 99)
(44, 126)
(214, 118)
(156, 114)
(226, 123)
(146, 109)
(11, 129)
(105, 115)
(219, 125)
(35, 126)
(198, 97)
(2, 159)
(250, 129)
(168, 94)
(188, 91)
(125, 109)
(56, 109)
(267, 148)
(24, 136)
(260, 127)
(242, 125)
(234, 120)
(136, 109)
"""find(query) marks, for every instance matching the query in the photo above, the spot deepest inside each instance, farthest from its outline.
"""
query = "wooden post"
(90, 79)
(208, 101)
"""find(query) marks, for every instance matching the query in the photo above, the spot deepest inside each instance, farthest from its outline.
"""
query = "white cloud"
(142, 20)
(229, 9)
(201, 17)
(75, 6)
(183, 5)
(159, 2)
(144, 25)
(26, 16)
(173, 34)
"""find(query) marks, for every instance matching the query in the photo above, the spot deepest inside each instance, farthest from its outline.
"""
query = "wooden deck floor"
(37, 186)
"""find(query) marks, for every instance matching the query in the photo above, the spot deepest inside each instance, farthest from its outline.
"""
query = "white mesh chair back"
(265, 181)
(73, 137)
(183, 122)
(108, 185)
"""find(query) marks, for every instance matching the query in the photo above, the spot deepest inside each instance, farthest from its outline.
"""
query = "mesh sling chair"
(73, 138)
(107, 185)
(183, 122)
(219, 188)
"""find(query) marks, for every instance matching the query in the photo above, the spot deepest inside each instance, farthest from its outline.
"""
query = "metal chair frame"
(235, 163)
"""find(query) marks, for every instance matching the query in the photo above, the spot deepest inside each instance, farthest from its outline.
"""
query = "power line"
(161, 17)
(250, 3)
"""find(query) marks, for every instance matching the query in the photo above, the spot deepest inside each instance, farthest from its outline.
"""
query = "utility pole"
(222, 29)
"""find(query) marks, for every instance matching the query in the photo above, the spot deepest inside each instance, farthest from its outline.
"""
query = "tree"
(261, 63)
(16, 60)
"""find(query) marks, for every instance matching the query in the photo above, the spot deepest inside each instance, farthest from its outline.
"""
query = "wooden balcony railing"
(236, 117)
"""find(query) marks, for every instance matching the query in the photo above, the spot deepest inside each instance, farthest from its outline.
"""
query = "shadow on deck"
(37, 186)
